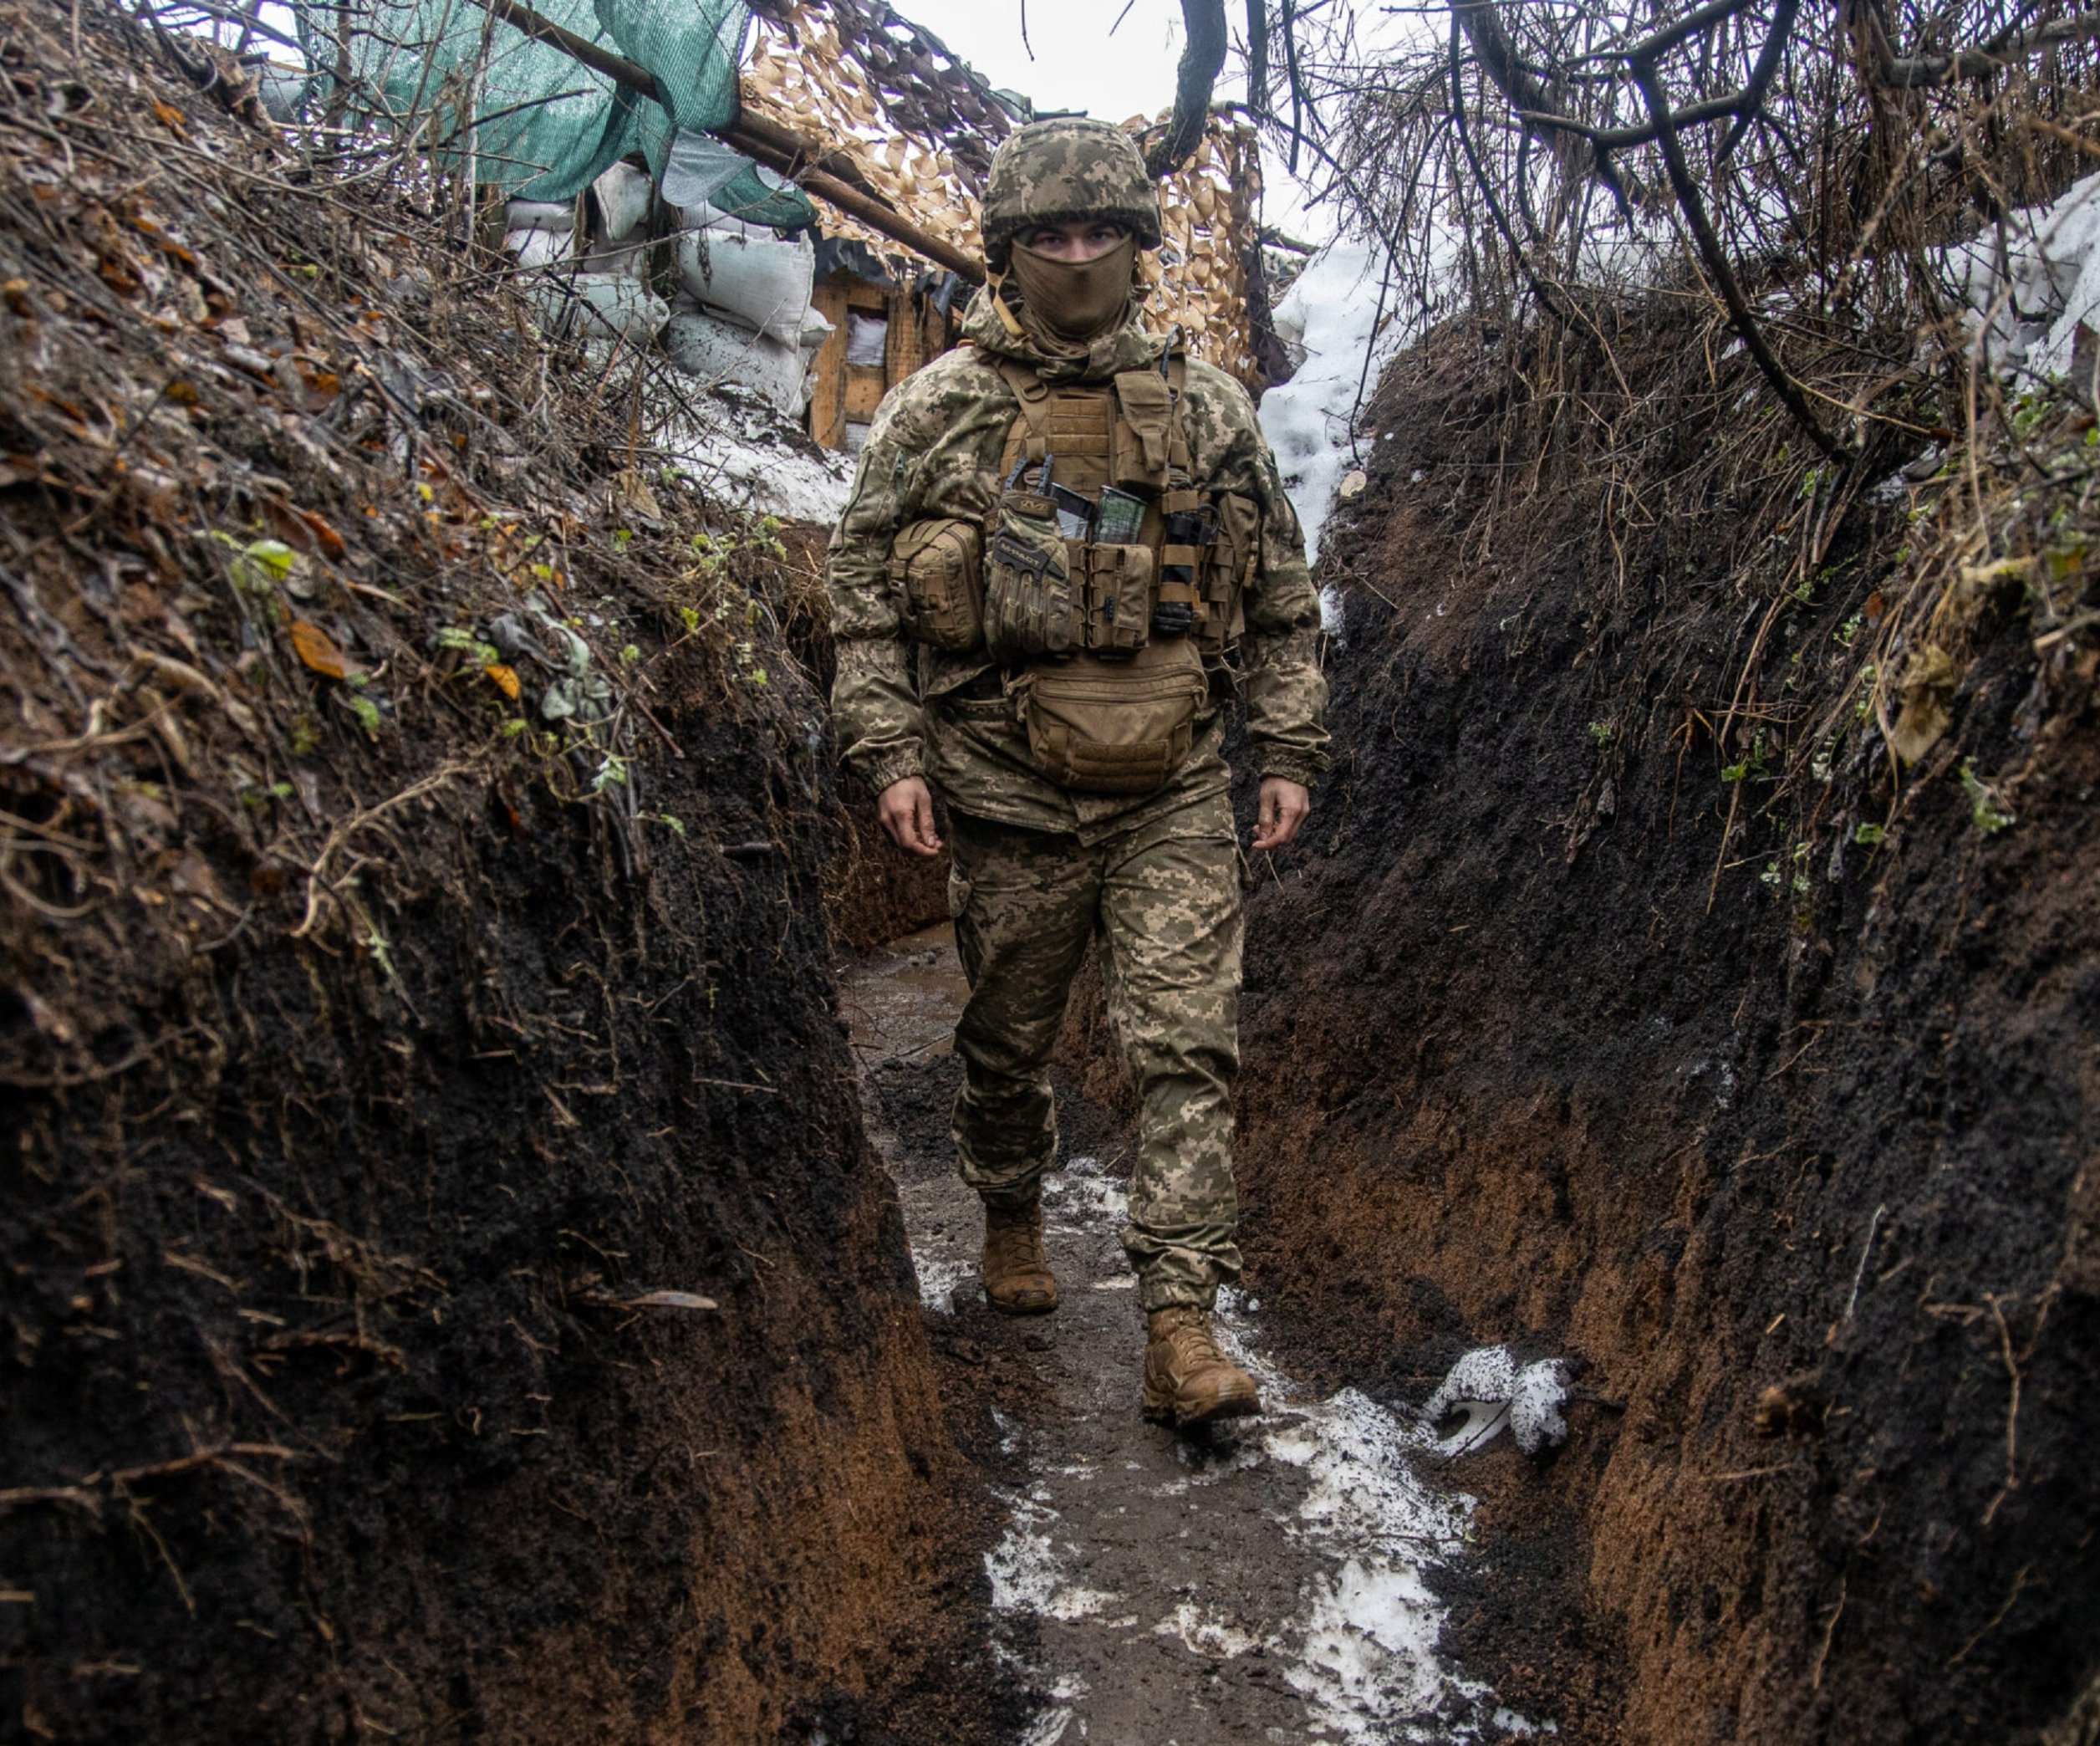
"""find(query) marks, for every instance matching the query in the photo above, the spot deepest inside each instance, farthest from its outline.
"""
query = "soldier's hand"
(905, 809)
(1284, 805)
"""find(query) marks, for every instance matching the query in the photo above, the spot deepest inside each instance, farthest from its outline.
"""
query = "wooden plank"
(864, 390)
(906, 350)
(828, 401)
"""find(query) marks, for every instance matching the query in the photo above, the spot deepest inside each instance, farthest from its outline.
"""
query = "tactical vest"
(1102, 580)
(1180, 570)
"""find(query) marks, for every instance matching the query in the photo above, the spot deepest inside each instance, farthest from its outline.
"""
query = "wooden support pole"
(787, 154)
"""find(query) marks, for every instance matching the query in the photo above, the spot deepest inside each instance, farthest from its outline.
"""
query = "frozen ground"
(1273, 1584)
(737, 445)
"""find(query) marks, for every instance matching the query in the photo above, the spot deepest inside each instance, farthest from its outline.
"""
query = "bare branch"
(1914, 72)
(1202, 58)
(1716, 259)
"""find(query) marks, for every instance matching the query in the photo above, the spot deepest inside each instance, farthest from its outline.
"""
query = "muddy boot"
(1187, 1380)
(1018, 1280)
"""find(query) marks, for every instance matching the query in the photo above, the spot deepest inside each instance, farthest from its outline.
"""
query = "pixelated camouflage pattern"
(1067, 167)
(1163, 899)
(933, 449)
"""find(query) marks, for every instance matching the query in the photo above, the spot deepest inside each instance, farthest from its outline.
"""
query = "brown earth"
(1790, 1145)
(449, 1292)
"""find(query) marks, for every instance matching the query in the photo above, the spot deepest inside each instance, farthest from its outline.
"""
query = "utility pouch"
(1228, 565)
(1113, 727)
(934, 569)
(1189, 530)
(1140, 446)
(1031, 607)
(1118, 596)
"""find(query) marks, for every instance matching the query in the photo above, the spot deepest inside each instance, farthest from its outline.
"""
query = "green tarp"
(544, 126)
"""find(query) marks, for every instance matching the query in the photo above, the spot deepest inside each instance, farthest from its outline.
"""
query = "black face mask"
(1072, 302)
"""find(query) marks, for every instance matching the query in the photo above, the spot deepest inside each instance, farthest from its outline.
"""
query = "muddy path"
(1278, 1581)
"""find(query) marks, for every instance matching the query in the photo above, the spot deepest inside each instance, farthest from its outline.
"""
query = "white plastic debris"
(1489, 1386)
(2030, 304)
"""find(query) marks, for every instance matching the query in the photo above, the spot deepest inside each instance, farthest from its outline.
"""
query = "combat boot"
(1018, 1280)
(1187, 1380)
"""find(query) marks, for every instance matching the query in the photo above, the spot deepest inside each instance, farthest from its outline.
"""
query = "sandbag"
(537, 248)
(599, 306)
(559, 216)
(717, 350)
(622, 260)
(866, 339)
(750, 276)
(622, 195)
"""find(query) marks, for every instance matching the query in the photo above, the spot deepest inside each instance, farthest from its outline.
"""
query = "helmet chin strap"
(997, 283)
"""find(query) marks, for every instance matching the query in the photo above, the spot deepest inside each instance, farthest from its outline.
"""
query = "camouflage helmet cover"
(1070, 166)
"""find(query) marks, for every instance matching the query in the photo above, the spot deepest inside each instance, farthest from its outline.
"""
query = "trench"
(1278, 1580)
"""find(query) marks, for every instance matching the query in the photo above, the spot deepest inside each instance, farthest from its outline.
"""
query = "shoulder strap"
(1034, 396)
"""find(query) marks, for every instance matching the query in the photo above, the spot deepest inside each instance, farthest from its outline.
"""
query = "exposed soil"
(451, 1289)
(1789, 1143)
(449, 1292)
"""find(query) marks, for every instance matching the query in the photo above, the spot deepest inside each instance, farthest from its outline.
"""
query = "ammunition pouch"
(934, 571)
(1118, 596)
(1227, 567)
(1114, 726)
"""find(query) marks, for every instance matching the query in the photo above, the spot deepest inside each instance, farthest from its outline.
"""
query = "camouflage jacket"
(933, 451)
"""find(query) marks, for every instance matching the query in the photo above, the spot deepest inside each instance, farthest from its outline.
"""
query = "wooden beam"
(781, 151)
(877, 215)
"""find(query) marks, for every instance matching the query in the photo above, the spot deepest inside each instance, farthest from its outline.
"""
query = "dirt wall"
(1757, 1076)
(449, 1292)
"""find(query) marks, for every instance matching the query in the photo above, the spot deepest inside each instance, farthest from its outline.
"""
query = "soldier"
(1066, 547)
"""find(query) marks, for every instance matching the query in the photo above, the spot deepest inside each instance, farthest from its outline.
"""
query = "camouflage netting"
(533, 121)
(920, 127)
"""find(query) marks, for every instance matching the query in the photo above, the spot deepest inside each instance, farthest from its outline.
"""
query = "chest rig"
(1100, 581)
(1144, 555)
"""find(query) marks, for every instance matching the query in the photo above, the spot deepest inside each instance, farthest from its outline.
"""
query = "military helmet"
(1069, 166)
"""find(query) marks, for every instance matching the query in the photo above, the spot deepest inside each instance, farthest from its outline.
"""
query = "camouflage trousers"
(1163, 901)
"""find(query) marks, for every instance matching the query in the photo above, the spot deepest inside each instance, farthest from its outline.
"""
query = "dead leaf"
(193, 877)
(302, 529)
(631, 496)
(1926, 692)
(669, 1301)
(168, 115)
(505, 679)
(316, 649)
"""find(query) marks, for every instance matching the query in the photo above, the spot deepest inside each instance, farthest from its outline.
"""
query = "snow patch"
(1369, 1657)
(1204, 1631)
(939, 1278)
(1332, 310)
(1026, 1574)
(2029, 307)
(737, 446)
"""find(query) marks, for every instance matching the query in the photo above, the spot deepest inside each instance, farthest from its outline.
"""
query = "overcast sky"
(1078, 64)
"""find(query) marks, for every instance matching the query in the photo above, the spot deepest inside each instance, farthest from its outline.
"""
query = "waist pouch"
(1114, 726)
(934, 565)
